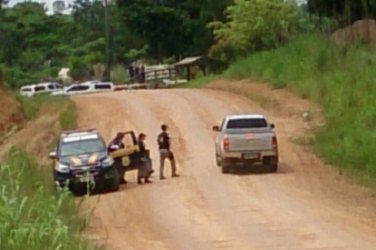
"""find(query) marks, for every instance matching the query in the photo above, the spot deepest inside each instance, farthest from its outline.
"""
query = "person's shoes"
(175, 175)
(148, 181)
(162, 177)
(139, 181)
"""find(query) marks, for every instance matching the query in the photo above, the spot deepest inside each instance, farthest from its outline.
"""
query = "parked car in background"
(246, 139)
(40, 88)
(86, 87)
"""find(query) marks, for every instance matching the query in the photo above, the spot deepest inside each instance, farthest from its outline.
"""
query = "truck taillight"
(274, 142)
(226, 143)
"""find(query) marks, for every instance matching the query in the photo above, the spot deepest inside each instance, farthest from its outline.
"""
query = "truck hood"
(84, 159)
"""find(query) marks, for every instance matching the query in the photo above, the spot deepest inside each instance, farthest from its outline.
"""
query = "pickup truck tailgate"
(250, 140)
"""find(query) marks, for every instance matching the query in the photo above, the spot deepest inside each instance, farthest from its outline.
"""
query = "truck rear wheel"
(273, 167)
(226, 169)
(272, 162)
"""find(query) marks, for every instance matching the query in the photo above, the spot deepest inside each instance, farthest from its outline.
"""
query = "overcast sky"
(14, 2)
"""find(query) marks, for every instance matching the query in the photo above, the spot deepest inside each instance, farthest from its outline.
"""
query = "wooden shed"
(205, 63)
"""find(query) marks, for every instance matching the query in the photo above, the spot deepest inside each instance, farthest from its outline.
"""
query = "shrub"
(31, 214)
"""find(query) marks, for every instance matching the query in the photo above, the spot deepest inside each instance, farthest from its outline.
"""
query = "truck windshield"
(247, 123)
(81, 147)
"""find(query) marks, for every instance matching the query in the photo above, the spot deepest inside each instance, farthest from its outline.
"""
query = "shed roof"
(196, 60)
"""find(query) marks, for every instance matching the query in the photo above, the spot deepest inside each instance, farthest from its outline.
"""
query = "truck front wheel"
(113, 183)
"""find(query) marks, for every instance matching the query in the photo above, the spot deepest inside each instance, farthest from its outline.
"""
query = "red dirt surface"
(10, 112)
(306, 205)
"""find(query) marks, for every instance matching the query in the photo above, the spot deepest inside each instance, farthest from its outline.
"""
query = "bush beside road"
(339, 79)
(32, 214)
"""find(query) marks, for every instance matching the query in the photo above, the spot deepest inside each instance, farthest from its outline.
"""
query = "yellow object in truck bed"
(125, 151)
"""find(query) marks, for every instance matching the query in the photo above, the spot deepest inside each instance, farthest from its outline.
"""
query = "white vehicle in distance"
(40, 88)
(86, 87)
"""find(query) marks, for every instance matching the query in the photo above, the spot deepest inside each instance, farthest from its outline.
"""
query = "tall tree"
(343, 10)
(172, 27)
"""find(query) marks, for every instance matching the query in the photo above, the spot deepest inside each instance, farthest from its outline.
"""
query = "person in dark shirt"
(116, 144)
(145, 169)
(165, 152)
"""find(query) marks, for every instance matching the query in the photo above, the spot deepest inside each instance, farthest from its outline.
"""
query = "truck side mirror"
(215, 128)
(272, 125)
(52, 155)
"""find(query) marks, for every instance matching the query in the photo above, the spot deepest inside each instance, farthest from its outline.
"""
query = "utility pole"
(107, 75)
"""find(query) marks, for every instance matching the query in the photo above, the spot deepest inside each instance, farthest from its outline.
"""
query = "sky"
(14, 2)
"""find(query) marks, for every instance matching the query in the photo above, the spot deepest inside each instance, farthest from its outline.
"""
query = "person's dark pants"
(166, 154)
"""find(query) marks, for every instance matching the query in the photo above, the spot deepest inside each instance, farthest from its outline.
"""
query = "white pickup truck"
(244, 140)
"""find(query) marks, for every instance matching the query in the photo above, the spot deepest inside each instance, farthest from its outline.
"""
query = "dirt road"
(306, 205)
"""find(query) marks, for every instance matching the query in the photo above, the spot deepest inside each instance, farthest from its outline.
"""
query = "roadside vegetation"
(303, 58)
(32, 213)
(34, 46)
(340, 79)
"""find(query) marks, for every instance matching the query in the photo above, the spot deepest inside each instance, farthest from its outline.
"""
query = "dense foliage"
(341, 80)
(254, 25)
(30, 214)
(343, 10)
(34, 46)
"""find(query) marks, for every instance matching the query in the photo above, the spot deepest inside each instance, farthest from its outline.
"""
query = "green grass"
(68, 118)
(341, 80)
(31, 106)
(200, 81)
(32, 215)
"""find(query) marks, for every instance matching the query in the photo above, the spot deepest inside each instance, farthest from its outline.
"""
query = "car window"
(246, 123)
(102, 86)
(51, 86)
(79, 88)
(128, 140)
(26, 90)
(39, 88)
(81, 147)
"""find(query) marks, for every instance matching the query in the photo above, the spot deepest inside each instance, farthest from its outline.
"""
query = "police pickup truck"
(246, 139)
(81, 162)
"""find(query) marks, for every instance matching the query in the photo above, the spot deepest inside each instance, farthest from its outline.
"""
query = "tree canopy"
(343, 10)
(34, 46)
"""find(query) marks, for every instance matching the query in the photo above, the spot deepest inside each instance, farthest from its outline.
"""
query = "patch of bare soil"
(10, 113)
(277, 101)
(305, 205)
(300, 119)
(362, 30)
(36, 137)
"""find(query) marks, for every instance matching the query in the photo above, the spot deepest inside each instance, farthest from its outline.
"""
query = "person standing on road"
(145, 169)
(116, 144)
(165, 152)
